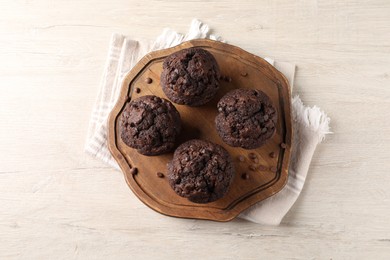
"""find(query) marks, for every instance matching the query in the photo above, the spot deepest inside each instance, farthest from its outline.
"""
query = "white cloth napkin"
(310, 124)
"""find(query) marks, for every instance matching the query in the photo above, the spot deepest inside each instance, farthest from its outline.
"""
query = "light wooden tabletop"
(58, 203)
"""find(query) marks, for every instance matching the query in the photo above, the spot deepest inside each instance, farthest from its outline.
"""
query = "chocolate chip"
(133, 171)
(262, 167)
(269, 124)
(245, 176)
(227, 78)
(283, 145)
(244, 74)
(160, 175)
(148, 80)
(252, 155)
(272, 154)
(241, 158)
(252, 167)
(202, 184)
(273, 169)
(137, 90)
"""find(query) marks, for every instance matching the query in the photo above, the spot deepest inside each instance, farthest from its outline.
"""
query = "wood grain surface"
(58, 203)
(199, 123)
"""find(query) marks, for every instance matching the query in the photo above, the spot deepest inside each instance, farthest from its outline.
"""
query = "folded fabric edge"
(105, 158)
(111, 63)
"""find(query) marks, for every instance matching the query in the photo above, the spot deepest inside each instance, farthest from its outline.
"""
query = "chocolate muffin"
(190, 77)
(150, 124)
(200, 171)
(246, 118)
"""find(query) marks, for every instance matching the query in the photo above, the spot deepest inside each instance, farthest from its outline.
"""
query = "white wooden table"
(58, 203)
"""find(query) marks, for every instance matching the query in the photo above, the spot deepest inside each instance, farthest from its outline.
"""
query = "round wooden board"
(246, 71)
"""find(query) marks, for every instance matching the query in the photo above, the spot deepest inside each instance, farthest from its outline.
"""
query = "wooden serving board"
(246, 71)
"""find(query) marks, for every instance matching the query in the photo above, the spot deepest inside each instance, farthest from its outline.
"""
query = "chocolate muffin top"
(246, 118)
(150, 124)
(200, 171)
(190, 77)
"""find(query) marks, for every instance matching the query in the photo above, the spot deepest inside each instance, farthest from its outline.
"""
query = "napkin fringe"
(312, 117)
(170, 38)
